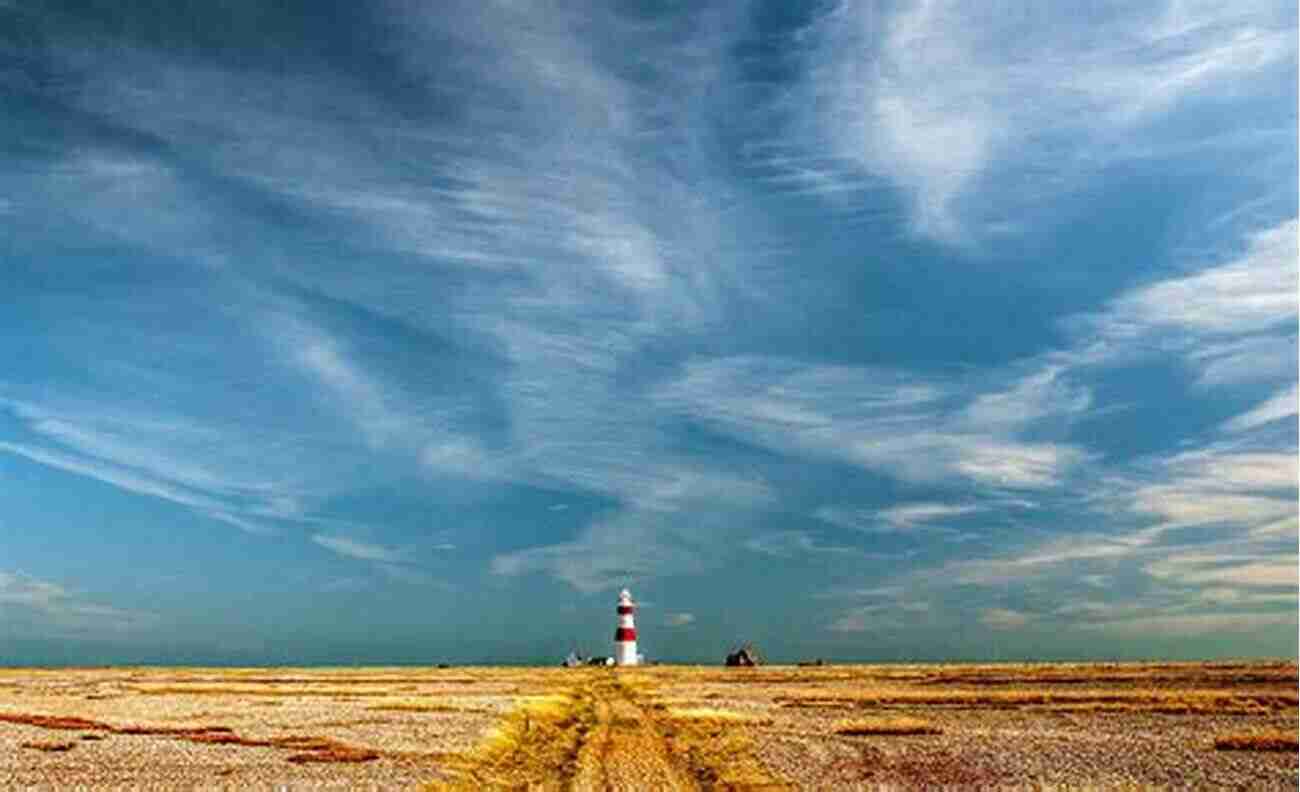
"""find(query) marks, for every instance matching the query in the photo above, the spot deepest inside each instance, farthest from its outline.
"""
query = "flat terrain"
(1111, 726)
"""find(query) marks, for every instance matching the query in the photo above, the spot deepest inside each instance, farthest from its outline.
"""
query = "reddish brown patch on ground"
(1259, 741)
(50, 746)
(311, 749)
(179, 731)
(337, 754)
(51, 721)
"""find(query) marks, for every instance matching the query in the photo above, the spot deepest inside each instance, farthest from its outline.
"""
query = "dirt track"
(625, 750)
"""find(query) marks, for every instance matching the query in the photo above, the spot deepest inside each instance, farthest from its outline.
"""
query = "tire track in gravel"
(594, 737)
(625, 750)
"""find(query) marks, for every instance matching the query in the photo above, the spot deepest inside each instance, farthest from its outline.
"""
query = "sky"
(403, 332)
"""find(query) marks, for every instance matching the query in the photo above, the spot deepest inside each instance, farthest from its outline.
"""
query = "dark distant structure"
(744, 656)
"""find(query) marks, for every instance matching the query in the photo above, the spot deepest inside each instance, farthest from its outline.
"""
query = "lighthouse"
(625, 635)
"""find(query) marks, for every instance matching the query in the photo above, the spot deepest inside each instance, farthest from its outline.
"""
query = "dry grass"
(534, 747)
(246, 690)
(1258, 741)
(1163, 701)
(863, 726)
(50, 746)
(718, 753)
(714, 715)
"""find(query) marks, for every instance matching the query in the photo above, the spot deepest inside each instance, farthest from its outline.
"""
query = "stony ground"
(1007, 726)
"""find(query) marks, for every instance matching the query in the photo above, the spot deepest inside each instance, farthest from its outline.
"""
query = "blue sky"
(410, 332)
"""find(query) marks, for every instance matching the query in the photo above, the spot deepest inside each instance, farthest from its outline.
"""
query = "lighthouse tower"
(625, 635)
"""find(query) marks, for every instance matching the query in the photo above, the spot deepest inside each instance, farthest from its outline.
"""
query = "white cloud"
(1234, 322)
(1195, 568)
(910, 427)
(880, 617)
(1186, 506)
(363, 399)
(62, 611)
(1255, 358)
(1255, 292)
(131, 482)
(353, 548)
(867, 618)
(1241, 491)
(904, 517)
(1182, 625)
(1055, 558)
(1003, 618)
(1286, 528)
(231, 473)
(926, 95)
(790, 544)
(605, 228)
(610, 553)
(1226, 469)
(1018, 465)
(1044, 392)
(1281, 405)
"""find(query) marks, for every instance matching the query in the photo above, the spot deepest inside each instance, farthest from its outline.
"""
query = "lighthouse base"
(625, 653)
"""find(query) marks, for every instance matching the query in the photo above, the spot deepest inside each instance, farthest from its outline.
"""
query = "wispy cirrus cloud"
(927, 96)
(353, 548)
(1185, 624)
(64, 611)
(555, 224)
(471, 260)
(688, 526)
(902, 518)
(1003, 618)
(1227, 570)
(915, 428)
(1250, 293)
(1282, 405)
(620, 551)
(791, 544)
(125, 479)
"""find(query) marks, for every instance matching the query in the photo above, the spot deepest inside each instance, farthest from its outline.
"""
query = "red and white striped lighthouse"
(625, 635)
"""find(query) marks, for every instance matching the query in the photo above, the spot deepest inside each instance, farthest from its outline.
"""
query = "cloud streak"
(927, 96)
(911, 427)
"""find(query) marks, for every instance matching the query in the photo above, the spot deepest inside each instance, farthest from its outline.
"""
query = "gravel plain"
(1001, 727)
(1013, 726)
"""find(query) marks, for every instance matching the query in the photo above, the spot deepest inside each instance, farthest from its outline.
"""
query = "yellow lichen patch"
(715, 715)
